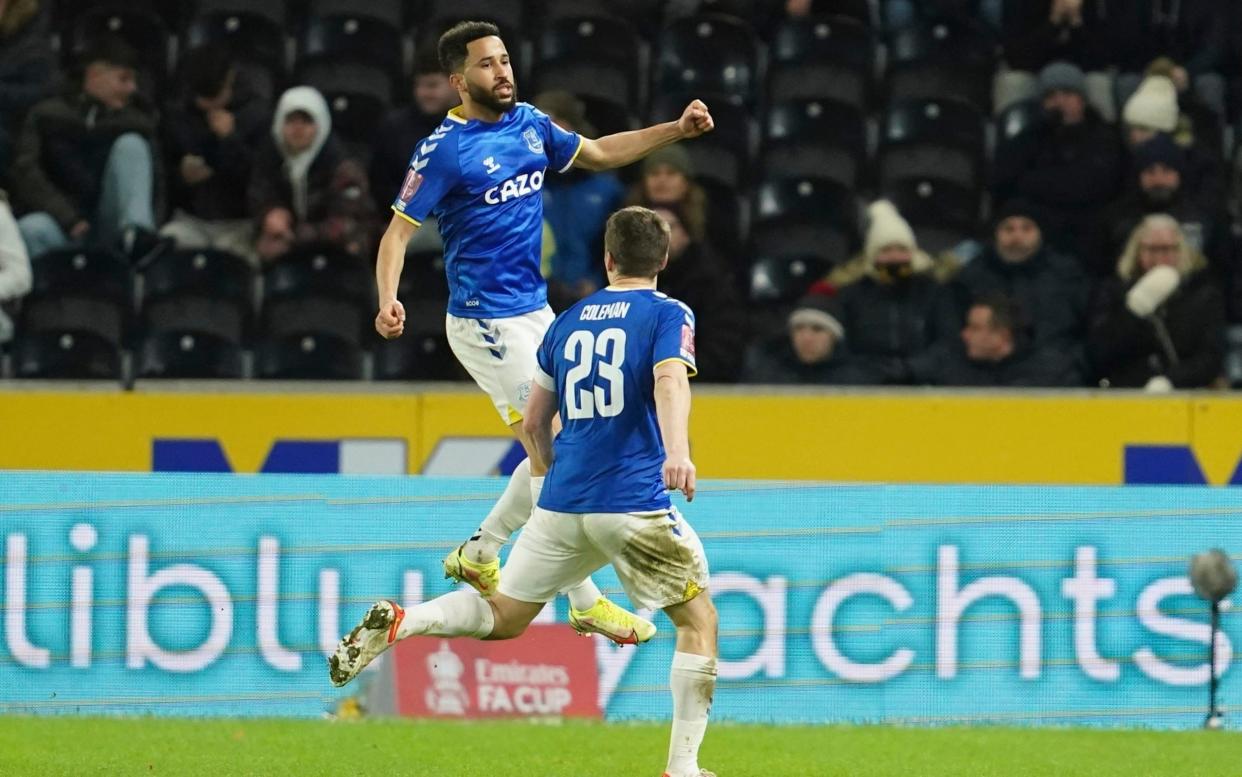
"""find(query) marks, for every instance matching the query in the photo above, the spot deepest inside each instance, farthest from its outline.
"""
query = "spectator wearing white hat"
(897, 312)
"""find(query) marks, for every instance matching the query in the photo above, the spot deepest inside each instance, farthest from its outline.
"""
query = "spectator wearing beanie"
(1158, 184)
(1038, 32)
(809, 352)
(1067, 165)
(1153, 109)
(896, 314)
(1160, 323)
(667, 178)
(1049, 286)
(997, 349)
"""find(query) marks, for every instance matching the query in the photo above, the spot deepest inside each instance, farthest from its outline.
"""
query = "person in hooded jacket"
(303, 188)
(897, 316)
(1160, 323)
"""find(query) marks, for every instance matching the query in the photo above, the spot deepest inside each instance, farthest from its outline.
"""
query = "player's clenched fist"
(695, 120)
(679, 475)
(390, 321)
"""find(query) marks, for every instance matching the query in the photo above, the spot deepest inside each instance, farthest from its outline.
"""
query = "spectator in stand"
(807, 353)
(898, 14)
(576, 204)
(1036, 33)
(303, 188)
(1067, 164)
(897, 316)
(698, 277)
(1153, 109)
(1156, 186)
(26, 67)
(211, 135)
(402, 128)
(1051, 287)
(998, 349)
(15, 275)
(1191, 33)
(668, 179)
(84, 170)
(1160, 323)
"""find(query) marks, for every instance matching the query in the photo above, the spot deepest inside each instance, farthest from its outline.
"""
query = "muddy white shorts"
(499, 353)
(658, 557)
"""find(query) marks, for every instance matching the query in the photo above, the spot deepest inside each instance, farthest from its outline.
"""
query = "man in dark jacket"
(1050, 286)
(211, 135)
(84, 169)
(1067, 163)
(997, 349)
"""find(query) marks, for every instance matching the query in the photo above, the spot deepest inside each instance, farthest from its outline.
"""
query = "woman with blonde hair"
(1160, 323)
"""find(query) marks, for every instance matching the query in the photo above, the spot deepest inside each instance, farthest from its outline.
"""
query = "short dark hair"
(453, 42)
(206, 69)
(637, 239)
(109, 49)
(1007, 313)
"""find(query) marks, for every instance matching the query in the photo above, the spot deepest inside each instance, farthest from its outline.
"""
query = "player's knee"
(507, 629)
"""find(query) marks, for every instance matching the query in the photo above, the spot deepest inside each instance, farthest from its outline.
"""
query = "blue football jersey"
(599, 357)
(482, 182)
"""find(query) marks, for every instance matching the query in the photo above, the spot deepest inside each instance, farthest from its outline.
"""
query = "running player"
(616, 366)
(480, 173)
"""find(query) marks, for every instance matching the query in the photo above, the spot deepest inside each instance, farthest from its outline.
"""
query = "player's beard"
(488, 98)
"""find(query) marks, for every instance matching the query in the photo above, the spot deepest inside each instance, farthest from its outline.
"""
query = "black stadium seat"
(433, 17)
(785, 278)
(423, 277)
(598, 56)
(318, 288)
(309, 355)
(817, 138)
(65, 354)
(942, 60)
(708, 55)
(79, 290)
(942, 138)
(255, 38)
(201, 290)
(188, 354)
(343, 39)
(822, 58)
(723, 155)
(941, 212)
(139, 26)
(797, 217)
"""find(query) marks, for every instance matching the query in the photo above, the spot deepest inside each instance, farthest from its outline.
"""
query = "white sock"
(461, 613)
(510, 513)
(584, 595)
(692, 679)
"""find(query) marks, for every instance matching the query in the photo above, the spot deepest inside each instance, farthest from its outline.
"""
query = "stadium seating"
(725, 154)
(423, 278)
(822, 58)
(188, 354)
(345, 39)
(784, 278)
(309, 356)
(944, 138)
(807, 216)
(317, 289)
(138, 25)
(255, 34)
(942, 212)
(358, 96)
(204, 290)
(66, 354)
(598, 56)
(416, 355)
(80, 290)
(709, 55)
(433, 17)
(941, 60)
(817, 138)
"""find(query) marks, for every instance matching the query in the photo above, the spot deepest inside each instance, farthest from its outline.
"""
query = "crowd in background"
(1109, 254)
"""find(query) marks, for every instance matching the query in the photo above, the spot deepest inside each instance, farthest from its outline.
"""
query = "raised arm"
(537, 423)
(672, 397)
(622, 148)
(390, 321)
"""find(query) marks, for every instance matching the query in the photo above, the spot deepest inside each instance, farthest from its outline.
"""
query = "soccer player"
(480, 173)
(616, 366)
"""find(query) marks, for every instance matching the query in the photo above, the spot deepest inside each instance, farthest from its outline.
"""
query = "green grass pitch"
(44, 746)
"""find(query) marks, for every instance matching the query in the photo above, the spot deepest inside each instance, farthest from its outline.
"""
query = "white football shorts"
(658, 556)
(499, 353)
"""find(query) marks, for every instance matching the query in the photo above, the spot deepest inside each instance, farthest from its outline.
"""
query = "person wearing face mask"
(85, 171)
(1160, 323)
(1049, 286)
(897, 315)
(1067, 164)
(1158, 185)
(303, 187)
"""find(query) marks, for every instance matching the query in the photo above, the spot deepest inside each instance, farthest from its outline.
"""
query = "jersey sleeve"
(433, 171)
(545, 364)
(562, 145)
(674, 336)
